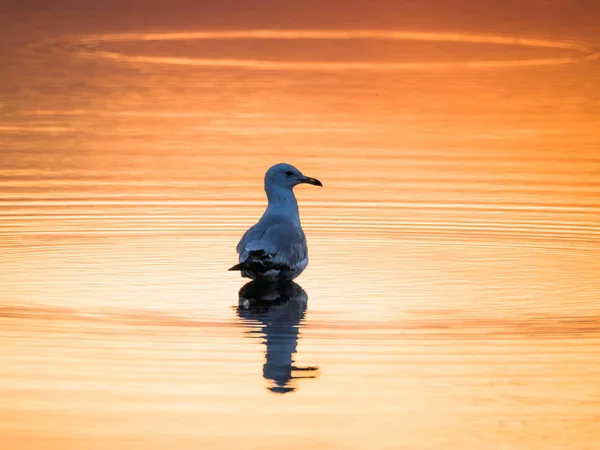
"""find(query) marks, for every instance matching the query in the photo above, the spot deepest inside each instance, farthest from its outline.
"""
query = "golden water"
(453, 283)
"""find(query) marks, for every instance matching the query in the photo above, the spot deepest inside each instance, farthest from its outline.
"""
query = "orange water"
(453, 283)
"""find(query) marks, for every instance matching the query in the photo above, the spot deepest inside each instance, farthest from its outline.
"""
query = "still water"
(451, 300)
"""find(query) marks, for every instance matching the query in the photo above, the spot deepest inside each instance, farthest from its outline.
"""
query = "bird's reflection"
(279, 309)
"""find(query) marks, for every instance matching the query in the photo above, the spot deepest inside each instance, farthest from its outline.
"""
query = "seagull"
(275, 248)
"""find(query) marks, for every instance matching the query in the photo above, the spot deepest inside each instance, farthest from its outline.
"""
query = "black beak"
(312, 181)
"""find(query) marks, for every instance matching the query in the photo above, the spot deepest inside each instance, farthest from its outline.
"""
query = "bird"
(275, 248)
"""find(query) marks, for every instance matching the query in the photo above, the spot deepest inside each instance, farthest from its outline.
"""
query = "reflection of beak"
(312, 181)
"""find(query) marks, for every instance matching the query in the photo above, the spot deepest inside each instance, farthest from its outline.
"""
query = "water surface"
(451, 300)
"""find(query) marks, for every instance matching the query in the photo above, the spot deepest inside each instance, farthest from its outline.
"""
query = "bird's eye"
(289, 173)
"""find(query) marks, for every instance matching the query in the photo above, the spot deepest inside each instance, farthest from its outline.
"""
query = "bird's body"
(275, 248)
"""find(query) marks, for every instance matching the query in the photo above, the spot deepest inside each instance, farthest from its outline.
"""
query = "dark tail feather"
(256, 259)
(259, 262)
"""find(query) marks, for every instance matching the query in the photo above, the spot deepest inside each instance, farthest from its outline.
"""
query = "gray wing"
(283, 240)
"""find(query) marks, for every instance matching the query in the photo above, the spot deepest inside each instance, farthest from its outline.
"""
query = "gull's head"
(287, 176)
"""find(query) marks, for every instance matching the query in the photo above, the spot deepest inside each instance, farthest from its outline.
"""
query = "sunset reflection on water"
(451, 295)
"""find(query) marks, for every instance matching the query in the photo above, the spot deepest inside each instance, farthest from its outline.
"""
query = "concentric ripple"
(87, 47)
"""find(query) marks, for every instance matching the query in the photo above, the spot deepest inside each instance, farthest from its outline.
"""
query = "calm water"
(451, 300)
